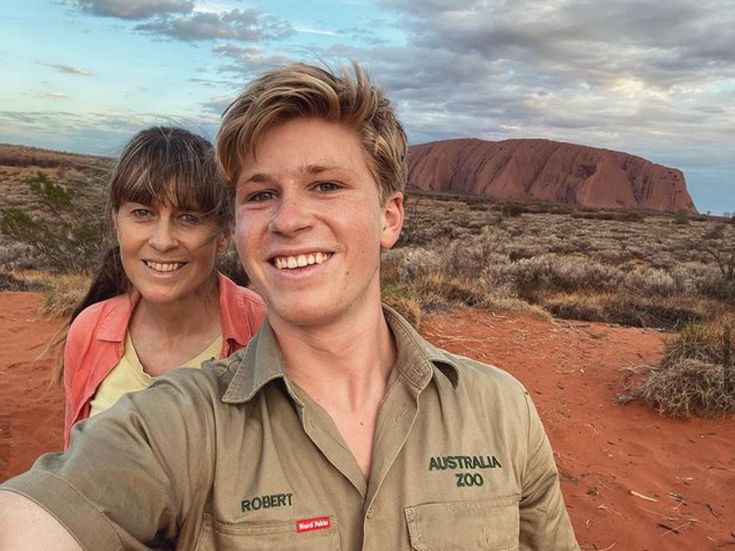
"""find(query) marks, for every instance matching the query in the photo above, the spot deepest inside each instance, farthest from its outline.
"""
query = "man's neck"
(345, 369)
(346, 362)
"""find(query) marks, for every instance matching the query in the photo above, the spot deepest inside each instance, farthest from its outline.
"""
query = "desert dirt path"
(684, 470)
(31, 413)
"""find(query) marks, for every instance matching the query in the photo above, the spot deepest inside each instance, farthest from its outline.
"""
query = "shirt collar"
(233, 314)
(114, 324)
(261, 362)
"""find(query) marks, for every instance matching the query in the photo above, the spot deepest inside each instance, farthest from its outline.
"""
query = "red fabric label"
(311, 524)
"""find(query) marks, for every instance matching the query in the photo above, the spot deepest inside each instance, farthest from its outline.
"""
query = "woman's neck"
(197, 313)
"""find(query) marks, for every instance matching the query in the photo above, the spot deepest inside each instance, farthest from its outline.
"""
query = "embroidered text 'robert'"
(266, 502)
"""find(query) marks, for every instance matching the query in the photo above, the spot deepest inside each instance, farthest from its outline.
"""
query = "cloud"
(95, 133)
(246, 25)
(217, 105)
(594, 42)
(626, 75)
(249, 58)
(366, 36)
(56, 95)
(135, 9)
(70, 70)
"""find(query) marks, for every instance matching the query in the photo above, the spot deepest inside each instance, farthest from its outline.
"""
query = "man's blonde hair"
(302, 91)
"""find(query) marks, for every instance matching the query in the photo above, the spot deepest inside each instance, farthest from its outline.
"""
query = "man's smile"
(299, 261)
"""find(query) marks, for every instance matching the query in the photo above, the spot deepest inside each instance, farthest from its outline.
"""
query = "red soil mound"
(632, 480)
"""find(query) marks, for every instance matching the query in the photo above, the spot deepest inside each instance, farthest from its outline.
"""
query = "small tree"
(682, 217)
(719, 244)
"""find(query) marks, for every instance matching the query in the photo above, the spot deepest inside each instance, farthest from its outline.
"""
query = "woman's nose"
(163, 236)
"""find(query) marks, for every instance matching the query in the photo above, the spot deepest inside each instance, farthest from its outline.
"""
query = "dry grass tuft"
(695, 376)
(8, 282)
(62, 293)
(686, 388)
(699, 341)
(408, 307)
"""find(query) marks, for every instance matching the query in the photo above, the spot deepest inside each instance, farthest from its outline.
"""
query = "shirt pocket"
(483, 524)
(261, 536)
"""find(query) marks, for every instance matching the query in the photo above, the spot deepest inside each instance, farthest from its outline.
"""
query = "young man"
(338, 427)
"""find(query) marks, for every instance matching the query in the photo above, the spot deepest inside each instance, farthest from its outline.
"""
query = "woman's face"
(167, 253)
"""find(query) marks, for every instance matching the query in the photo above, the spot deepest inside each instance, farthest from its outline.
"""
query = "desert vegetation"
(696, 375)
(632, 268)
(670, 271)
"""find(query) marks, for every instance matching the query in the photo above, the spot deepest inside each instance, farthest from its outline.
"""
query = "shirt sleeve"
(544, 522)
(133, 472)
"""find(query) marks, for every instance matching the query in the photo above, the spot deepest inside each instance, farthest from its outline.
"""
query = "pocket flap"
(464, 525)
(262, 536)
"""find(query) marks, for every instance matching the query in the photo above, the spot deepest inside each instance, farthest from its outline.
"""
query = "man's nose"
(292, 215)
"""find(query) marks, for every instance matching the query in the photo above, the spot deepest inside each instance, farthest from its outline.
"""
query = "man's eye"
(327, 186)
(260, 196)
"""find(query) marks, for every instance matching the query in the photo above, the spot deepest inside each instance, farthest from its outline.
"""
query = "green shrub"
(69, 237)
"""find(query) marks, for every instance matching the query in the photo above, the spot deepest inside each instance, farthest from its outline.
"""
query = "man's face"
(310, 224)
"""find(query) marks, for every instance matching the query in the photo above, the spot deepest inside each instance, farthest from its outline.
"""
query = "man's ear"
(224, 238)
(392, 220)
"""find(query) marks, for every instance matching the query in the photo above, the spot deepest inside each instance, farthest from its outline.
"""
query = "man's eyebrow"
(258, 178)
(315, 169)
(263, 177)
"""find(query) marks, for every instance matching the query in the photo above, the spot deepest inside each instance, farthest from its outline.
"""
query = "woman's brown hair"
(165, 164)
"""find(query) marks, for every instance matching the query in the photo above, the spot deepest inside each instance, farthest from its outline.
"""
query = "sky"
(654, 79)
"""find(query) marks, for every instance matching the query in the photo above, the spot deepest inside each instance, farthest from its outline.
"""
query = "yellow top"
(128, 374)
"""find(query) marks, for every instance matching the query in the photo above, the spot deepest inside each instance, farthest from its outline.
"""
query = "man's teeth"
(164, 266)
(291, 262)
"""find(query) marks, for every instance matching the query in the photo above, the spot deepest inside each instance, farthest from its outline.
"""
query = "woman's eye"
(190, 218)
(141, 214)
(327, 186)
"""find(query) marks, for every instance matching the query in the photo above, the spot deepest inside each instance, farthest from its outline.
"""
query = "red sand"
(682, 472)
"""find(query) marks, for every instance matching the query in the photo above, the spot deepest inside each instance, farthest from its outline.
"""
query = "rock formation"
(547, 170)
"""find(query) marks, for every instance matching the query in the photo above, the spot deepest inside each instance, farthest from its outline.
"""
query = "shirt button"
(370, 512)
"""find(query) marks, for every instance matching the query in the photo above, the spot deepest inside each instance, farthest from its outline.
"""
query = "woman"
(157, 303)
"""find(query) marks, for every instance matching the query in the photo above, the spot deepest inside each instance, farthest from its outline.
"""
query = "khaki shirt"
(235, 456)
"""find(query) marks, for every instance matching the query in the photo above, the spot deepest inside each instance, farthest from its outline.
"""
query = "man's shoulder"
(212, 378)
(483, 381)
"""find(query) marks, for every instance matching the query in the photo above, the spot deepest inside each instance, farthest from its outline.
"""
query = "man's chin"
(302, 315)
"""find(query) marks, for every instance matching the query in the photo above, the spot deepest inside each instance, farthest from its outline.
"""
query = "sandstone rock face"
(547, 170)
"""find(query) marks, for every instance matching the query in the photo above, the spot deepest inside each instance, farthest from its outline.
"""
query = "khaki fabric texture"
(235, 456)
